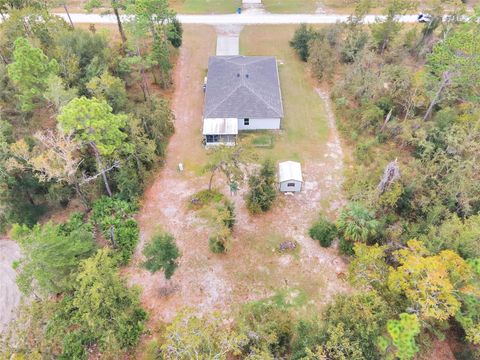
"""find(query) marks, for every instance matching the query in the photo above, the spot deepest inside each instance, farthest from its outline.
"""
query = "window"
(290, 184)
(212, 138)
(246, 122)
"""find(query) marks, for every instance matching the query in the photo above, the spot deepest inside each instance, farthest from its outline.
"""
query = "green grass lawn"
(290, 6)
(305, 128)
(205, 6)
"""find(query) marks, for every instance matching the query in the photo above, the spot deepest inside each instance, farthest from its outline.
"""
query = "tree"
(82, 56)
(157, 120)
(155, 17)
(56, 94)
(403, 333)
(431, 283)
(357, 224)
(222, 218)
(322, 59)
(352, 325)
(162, 254)
(52, 254)
(30, 71)
(56, 157)
(369, 268)
(353, 45)
(469, 316)
(130, 177)
(175, 33)
(385, 29)
(263, 190)
(94, 125)
(116, 5)
(228, 160)
(268, 330)
(301, 41)
(62, 3)
(454, 65)
(456, 234)
(190, 337)
(101, 311)
(21, 194)
(111, 89)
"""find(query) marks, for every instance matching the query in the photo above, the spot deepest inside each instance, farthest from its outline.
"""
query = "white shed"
(290, 176)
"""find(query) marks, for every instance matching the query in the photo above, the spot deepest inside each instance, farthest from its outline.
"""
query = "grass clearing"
(290, 6)
(205, 6)
(259, 139)
(304, 128)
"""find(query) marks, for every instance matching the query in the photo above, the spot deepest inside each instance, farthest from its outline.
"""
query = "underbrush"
(219, 212)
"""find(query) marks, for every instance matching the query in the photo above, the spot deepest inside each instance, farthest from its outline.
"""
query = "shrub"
(115, 219)
(263, 190)
(217, 243)
(175, 33)
(357, 223)
(353, 45)
(268, 329)
(345, 246)
(322, 59)
(307, 336)
(229, 214)
(323, 231)
(205, 197)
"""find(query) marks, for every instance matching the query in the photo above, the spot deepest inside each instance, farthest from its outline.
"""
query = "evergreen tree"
(263, 191)
(162, 254)
(30, 71)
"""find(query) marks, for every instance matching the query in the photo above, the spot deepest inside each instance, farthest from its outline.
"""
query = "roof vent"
(246, 75)
(238, 74)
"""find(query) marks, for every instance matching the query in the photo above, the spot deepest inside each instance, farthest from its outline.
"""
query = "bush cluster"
(323, 231)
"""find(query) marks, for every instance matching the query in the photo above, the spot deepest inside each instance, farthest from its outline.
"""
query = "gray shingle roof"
(243, 87)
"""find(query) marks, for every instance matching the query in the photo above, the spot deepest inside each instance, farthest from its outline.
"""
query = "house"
(290, 176)
(245, 89)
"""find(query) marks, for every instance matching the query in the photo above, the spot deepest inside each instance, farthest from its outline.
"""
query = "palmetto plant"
(357, 224)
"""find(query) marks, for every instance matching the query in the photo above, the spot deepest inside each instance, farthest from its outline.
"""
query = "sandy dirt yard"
(252, 269)
(9, 292)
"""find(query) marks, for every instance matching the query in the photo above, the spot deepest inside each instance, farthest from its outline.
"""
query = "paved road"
(242, 19)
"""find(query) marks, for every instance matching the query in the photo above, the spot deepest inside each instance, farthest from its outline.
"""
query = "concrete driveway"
(9, 292)
(227, 45)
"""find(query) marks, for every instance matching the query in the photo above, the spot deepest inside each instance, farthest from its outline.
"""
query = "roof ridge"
(262, 99)
(258, 58)
(224, 99)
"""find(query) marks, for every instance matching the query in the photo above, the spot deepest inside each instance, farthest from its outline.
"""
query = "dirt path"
(252, 269)
(9, 293)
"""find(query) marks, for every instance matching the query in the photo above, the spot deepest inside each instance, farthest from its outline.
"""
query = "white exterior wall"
(260, 124)
(285, 188)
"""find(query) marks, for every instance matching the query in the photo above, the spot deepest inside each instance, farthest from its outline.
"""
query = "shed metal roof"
(220, 126)
(289, 170)
(243, 87)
